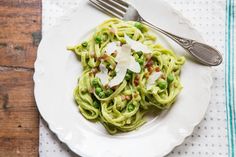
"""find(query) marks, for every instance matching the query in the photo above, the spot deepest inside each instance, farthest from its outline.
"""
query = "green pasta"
(122, 108)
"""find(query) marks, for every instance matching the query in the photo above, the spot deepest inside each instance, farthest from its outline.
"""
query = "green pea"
(85, 44)
(170, 78)
(98, 90)
(162, 84)
(98, 39)
(127, 77)
(140, 61)
(102, 95)
(96, 104)
(95, 82)
(139, 53)
(109, 92)
(138, 25)
(130, 107)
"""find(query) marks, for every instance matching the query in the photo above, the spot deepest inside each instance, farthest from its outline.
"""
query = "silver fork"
(203, 53)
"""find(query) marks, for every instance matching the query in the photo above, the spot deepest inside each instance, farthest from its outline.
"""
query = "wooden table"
(20, 33)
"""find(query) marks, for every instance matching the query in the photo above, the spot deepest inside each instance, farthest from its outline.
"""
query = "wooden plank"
(18, 114)
(20, 33)
(25, 147)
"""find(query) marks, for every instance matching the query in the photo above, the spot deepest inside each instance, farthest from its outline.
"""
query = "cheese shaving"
(103, 74)
(112, 47)
(124, 61)
(136, 45)
(152, 79)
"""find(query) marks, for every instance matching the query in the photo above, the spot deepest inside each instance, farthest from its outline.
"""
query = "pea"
(98, 39)
(139, 53)
(98, 90)
(102, 94)
(127, 77)
(96, 104)
(162, 84)
(140, 61)
(109, 92)
(170, 78)
(95, 82)
(85, 44)
(130, 107)
(138, 25)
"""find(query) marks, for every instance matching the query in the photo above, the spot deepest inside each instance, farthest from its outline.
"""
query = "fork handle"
(203, 53)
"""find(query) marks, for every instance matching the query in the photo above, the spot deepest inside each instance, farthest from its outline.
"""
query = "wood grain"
(20, 33)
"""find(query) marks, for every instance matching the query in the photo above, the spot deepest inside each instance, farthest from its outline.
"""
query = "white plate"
(57, 71)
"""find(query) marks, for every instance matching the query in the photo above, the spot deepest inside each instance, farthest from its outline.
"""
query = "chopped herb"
(129, 72)
(85, 44)
(139, 53)
(140, 61)
(127, 77)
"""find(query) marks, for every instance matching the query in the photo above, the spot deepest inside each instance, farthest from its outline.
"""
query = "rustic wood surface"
(20, 33)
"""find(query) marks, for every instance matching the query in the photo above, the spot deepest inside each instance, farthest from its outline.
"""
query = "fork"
(202, 53)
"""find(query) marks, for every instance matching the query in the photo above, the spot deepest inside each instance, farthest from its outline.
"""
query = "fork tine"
(111, 6)
(121, 2)
(116, 5)
(106, 8)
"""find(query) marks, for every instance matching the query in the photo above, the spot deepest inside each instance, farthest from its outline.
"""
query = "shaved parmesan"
(123, 54)
(103, 74)
(124, 61)
(133, 65)
(136, 45)
(120, 75)
(112, 47)
(152, 78)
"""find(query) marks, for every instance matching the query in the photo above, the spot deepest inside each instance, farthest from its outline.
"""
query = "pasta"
(122, 108)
